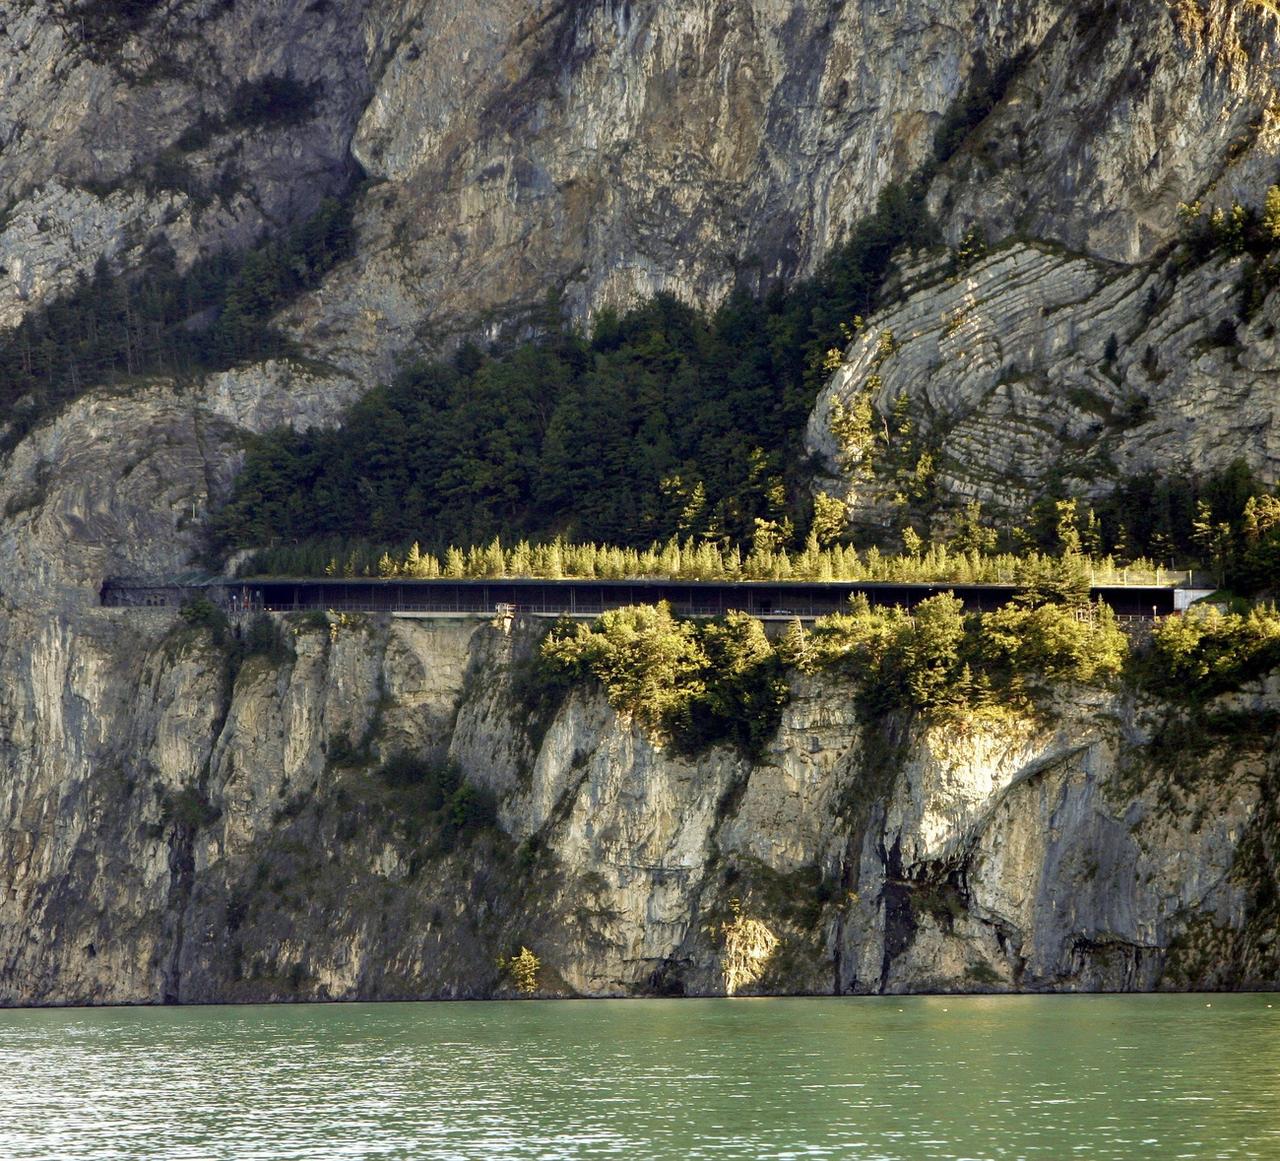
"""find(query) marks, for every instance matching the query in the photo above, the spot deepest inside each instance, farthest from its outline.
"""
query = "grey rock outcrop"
(1034, 362)
(120, 483)
(179, 830)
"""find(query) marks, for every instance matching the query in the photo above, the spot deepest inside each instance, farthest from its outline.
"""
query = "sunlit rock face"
(1073, 348)
(1034, 363)
(181, 826)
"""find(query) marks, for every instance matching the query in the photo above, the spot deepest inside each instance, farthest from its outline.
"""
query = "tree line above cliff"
(663, 421)
(670, 424)
(725, 682)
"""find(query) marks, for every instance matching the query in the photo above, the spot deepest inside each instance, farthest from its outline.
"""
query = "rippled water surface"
(1045, 1077)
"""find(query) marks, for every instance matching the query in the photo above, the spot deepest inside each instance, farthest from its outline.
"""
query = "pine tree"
(830, 515)
(494, 563)
(1068, 526)
(1271, 214)
(794, 646)
(414, 565)
(522, 559)
(555, 560)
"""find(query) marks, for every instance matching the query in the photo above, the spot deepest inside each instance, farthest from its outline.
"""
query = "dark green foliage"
(203, 613)
(470, 809)
(940, 661)
(111, 328)
(313, 620)
(1207, 652)
(1242, 231)
(1045, 580)
(1155, 515)
(566, 436)
(744, 690)
(432, 798)
(664, 421)
(262, 638)
(435, 781)
(1258, 279)
(701, 684)
(539, 686)
(342, 752)
(188, 808)
(1228, 521)
(983, 92)
(271, 100)
(530, 853)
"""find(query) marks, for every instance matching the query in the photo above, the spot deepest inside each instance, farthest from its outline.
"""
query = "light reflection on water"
(947, 1078)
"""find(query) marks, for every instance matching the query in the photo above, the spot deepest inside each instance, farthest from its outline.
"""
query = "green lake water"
(938, 1077)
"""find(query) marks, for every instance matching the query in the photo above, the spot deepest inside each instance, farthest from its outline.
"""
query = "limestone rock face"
(1122, 112)
(1076, 349)
(1033, 362)
(120, 483)
(539, 157)
(188, 823)
(118, 134)
(605, 151)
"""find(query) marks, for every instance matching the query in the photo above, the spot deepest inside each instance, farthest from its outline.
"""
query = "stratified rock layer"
(1034, 364)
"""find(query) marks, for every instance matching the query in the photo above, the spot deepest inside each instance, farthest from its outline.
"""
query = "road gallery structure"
(589, 598)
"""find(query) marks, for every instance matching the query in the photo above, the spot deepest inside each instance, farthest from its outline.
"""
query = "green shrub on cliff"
(434, 798)
(937, 659)
(699, 684)
(648, 662)
(899, 659)
(1052, 643)
(1208, 651)
(744, 689)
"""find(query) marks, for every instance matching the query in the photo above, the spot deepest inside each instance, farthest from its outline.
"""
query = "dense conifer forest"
(673, 425)
(666, 425)
(113, 328)
(663, 421)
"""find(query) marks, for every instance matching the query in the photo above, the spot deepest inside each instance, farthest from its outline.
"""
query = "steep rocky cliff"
(1069, 339)
(603, 150)
(184, 819)
(184, 827)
